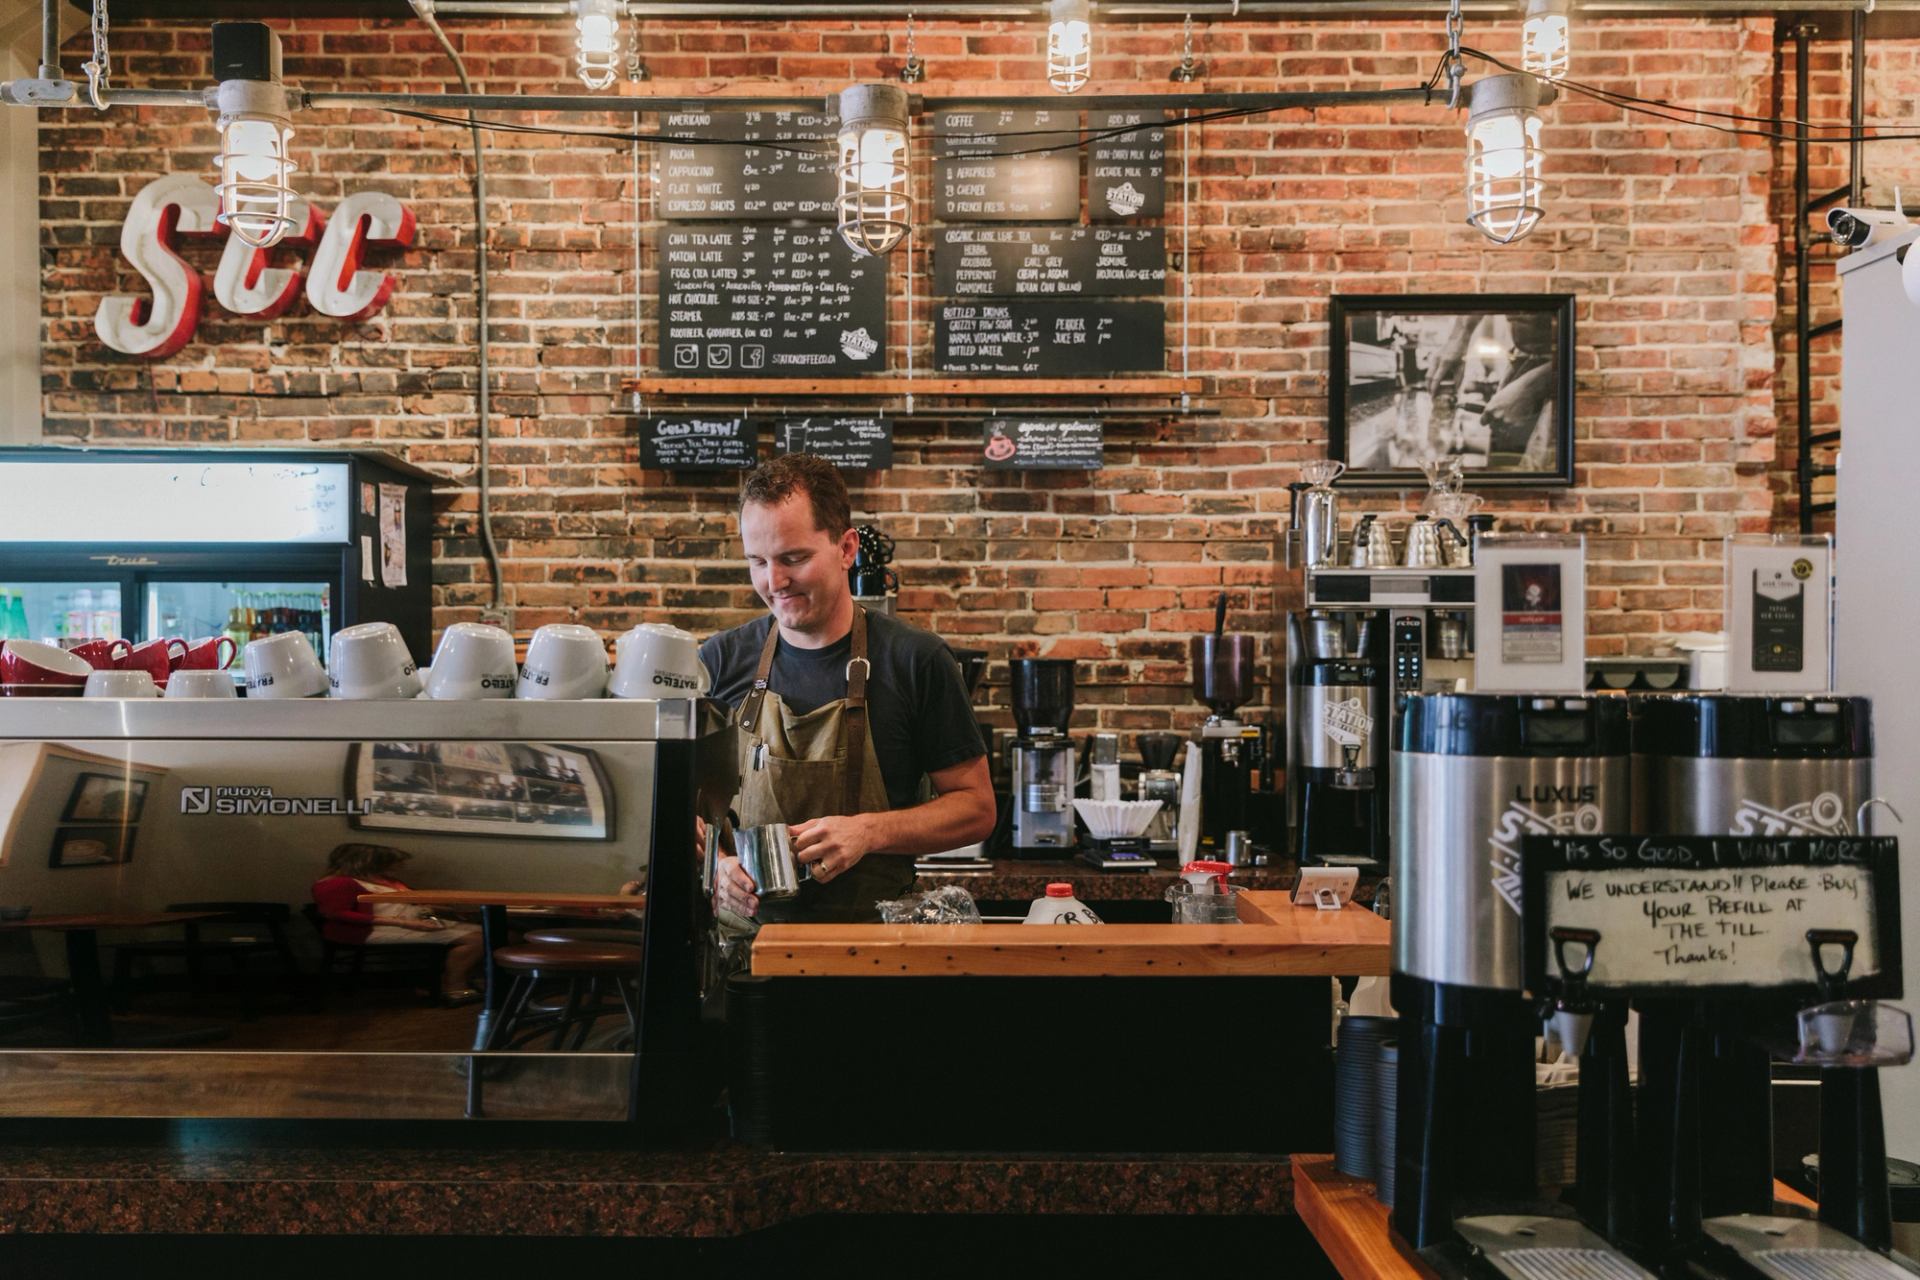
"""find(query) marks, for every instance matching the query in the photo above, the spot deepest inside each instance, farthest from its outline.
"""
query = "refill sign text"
(245, 283)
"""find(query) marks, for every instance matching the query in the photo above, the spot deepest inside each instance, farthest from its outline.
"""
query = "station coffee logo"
(858, 344)
(261, 802)
(1346, 724)
(1126, 199)
(1521, 820)
(1824, 815)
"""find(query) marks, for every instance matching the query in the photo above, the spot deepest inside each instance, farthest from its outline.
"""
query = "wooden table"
(1274, 938)
(83, 958)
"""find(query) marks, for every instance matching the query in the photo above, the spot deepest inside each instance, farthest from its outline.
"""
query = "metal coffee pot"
(766, 854)
(1423, 545)
(1455, 548)
(1320, 512)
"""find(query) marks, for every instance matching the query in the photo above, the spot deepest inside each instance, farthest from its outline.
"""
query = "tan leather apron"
(797, 767)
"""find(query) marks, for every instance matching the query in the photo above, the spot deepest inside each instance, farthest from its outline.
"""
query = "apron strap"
(853, 725)
(749, 713)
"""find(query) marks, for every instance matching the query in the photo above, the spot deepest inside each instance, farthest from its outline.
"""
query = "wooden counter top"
(1275, 938)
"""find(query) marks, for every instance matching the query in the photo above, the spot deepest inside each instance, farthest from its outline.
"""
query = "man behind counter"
(842, 712)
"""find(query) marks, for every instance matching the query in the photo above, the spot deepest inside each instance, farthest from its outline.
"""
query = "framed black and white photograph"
(105, 797)
(1485, 378)
(515, 790)
(91, 847)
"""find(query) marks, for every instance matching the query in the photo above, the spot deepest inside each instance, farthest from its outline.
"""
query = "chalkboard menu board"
(700, 180)
(975, 179)
(1039, 339)
(698, 444)
(1707, 912)
(1126, 173)
(851, 444)
(1041, 444)
(1049, 262)
(769, 302)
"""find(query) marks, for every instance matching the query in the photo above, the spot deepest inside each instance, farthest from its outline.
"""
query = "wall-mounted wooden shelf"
(898, 386)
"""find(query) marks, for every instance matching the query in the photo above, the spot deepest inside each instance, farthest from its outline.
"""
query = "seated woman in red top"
(354, 869)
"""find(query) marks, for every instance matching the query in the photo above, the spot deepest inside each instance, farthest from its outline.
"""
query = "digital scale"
(1121, 853)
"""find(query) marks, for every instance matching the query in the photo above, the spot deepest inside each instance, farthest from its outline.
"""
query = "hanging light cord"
(485, 403)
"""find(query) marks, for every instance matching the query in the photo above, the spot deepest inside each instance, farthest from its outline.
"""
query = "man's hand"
(733, 888)
(829, 846)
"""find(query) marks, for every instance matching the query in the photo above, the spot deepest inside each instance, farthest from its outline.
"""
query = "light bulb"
(1069, 44)
(1544, 44)
(598, 52)
(874, 208)
(1504, 157)
(253, 163)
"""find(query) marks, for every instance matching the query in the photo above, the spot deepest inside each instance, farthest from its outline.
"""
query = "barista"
(842, 713)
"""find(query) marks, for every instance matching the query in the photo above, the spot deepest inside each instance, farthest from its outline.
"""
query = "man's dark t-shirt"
(917, 706)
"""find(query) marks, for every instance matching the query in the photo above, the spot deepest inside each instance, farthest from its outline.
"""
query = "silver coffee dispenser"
(1337, 721)
(1044, 761)
(1472, 775)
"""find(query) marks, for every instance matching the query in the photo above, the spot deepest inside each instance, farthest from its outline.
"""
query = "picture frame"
(504, 790)
(105, 797)
(105, 845)
(1487, 378)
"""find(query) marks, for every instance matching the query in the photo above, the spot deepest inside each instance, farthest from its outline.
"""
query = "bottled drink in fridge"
(17, 628)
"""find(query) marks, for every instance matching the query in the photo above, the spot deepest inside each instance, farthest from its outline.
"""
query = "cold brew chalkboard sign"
(700, 180)
(699, 444)
(977, 179)
(1042, 444)
(769, 302)
(1712, 912)
(1126, 173)
(851, 444)
(1049, 262)
(1039, 339)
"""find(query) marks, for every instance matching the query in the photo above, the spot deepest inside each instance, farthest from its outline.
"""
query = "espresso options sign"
(689, 443)
(1126, 172)
(1049, 262)
(733, 183)
(851, 444)
(1042, 444)
(1038, 339)
(1006, 164)
(769, 302)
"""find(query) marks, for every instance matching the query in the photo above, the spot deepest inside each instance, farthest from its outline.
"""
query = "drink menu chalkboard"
(690, 443)
(1049, 340)
(977, 178)
(1049, 262)
(769, 301)
(851, 444)
(702, 180)
(1042, 444)
(1126, 173)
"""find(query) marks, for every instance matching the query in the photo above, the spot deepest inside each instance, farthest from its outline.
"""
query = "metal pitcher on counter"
(1319, 513)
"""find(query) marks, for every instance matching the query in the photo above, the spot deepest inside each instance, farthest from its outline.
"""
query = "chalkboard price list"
(1024, 339)
(976, 178)
(702, 180)
(690, 443)
(1127, 173)
(851, 444)
(1042, 444)
(1049, 262)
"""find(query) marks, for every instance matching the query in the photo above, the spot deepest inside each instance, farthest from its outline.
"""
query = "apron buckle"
(866, 672)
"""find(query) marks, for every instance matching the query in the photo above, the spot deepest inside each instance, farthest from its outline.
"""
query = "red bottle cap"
(1059, 891)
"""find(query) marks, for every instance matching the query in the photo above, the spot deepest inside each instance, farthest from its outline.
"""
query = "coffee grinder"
(1043, 759)
(1336, 728)
(1223, 679)
(1159, 782)
(875, 586)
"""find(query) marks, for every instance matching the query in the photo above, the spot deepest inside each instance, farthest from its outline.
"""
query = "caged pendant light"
(598, 53)
(874, 208)
(1069, 44)
(255, 128)
(1544, 45)
(1504, 190)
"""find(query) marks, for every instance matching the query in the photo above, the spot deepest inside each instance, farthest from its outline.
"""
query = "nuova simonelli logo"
(196, 800)
(261, 802)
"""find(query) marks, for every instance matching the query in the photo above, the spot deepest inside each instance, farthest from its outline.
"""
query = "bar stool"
(584, 966)
(583, 933)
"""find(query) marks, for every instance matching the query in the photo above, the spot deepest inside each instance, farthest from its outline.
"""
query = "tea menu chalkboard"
(1049, 340)
(690, 443)
(769, 301)
(1126, 173)
(851, 444)
(1042, 444)
(1707, 912)
(713, 180)
(1049, 262)
(977, 178)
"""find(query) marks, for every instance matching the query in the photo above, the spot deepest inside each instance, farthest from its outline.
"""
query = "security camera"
(1857, 228)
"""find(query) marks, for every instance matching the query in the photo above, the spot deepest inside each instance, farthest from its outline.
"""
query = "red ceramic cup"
(28, 662)
(156, 657)
(103, 655)
(213, 653)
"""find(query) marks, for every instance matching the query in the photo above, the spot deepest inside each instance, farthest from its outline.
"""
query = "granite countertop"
(718, 1191)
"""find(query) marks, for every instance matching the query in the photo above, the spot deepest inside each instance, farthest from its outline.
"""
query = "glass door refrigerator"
(146, 543)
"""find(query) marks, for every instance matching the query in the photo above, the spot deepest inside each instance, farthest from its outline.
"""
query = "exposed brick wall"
(1661, 231)
(1891, 103)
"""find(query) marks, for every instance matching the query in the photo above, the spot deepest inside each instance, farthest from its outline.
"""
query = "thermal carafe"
(1472, 774)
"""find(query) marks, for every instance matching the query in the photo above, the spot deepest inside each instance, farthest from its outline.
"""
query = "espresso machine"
(1336, 731)
(1043, 760)
(1223, 668)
